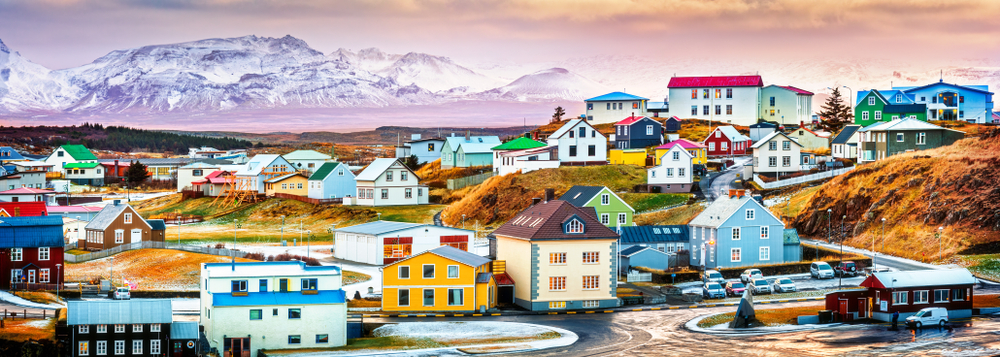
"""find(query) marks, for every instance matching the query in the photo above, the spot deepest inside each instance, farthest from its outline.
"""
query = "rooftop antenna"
(942, 76)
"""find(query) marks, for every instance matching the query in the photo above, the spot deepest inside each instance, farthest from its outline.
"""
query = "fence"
(454, 184)
(635, 276)
(191, 194)
(800, 179)
(70, 258)
(315, 201)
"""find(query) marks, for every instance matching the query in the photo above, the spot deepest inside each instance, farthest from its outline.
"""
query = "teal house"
(612, 211)
(874, 106)
(468, 151)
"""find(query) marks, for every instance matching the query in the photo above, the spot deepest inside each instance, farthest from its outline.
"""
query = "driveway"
(723, 182)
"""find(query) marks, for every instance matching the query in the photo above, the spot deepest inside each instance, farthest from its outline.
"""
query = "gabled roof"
(544, 221)
(284, 177)
(813, 132)
(684, 143)
(907, 124)
(942, 83)
(674, 118)
(26, 191)
(654, 234)
(257, 164)
(770, 136)
(764, 124)
(631, 250)
(636, 249)
(453, 254)
(386, 227)
(919, 278)
(528, 152)
(797, 90)
(108, 214)
(614, 96)
(324, 170)
(633, 119)
(680, 149)
(31, 232)
(580, 195)
(483, 278)
(503, 279)
(81, 165)
(569, 125)
(791, 236)
(111, 312)
(724, 207)
(845, 134)
(157, 224)
(890, 96)
(377, 167)
(201, 165)
(520, 143)
(23, 209)
(477, 148)
(905, 108)
(170, 161)
(79, 152)
(8, 153)
(730, 132)
(723, 81)
(476, 144)
(864, 94)
(306, 155)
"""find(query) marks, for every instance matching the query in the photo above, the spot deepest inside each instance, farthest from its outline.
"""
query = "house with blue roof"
(246, 307)
(654, 247)
(736, 231)
(612, 107)
(876, 106)
(142, 327)
(8, 154)
(935, 101)
(468, 151)
(33, 251)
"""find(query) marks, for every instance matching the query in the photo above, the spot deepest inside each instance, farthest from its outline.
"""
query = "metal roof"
(24, 209)
(614, 96)
(81, 165)
(570, 125)
(184, 330)
(791, 236)
(79, 152)
(8, 153)
(730, 132)
(201, 165)
(279, 298)
(797, 90)
(722, 81)
(108, 214)
(520, 143)
(475, 144)
(178, 161)
(580, 195)
(458, 255)
(770, 136)
(763, 124)
(629, 252)
(722, 208)
(905, 108)
(974, 88)
(483, 278)
(324, 170)
(31, 232)
(634, 119)
(265, 269)
(26, 191)
(907, 124)
(258, 163)
(919, 278)
(476, 148)
(378, 227)
(306, 155)
(845, 134)
(157, 224)
(376, 168)
(110, 312)
(864, 94)
(654, 234)
(284, 177)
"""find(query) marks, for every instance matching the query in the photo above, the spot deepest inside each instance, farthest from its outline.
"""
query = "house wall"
(934, 138)
(956, 309)
(658, 174)
(108, 240)
(600, 112)
(448, 155)
(744, 102)
(630, 157)
(164, 172)
(763, 153)
(338, 184)
(58, 162)
(574, 270)
(34, 179)
(30, 256)
(792, 252)
(296, 185)
(787, 108)
(186, 176)
(426, 151)
(440, 282)
(278, 165)
(635, 136)
(523, 164)
(396, 189)
(976, 108)
(92, 177)
(520, 265)
(720, 255)
(699, 156)
(91, 337)
(369, 249)
(475, 159)
(593, 138)
(309, 166)
(50, 199)
(649, 258)
(871, 110)
(809, 140)
(718, 144)
(614, 207)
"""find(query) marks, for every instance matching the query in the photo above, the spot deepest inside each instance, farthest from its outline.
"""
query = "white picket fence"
(635, 276)
(801, 179)
(72, 258)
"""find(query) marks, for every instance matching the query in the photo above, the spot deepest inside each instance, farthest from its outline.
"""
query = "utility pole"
(940, 235)
(883, 242)
(843, 235)
(178, 227)
(282, 229)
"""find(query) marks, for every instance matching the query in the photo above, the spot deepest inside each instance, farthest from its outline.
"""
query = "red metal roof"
(23, 209)
(797, 90)
(629, 120)
(25, 191)
(724, 81)
(503, 279)
(684, 143)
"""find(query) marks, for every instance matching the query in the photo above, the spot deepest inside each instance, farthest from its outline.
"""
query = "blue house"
(637, 132)
(468, 151)
(425, 149)
(736, 231)
(667, 239)
(332, 180)
(8, 153)
(672, 124)
(941, 101)
(639, 256)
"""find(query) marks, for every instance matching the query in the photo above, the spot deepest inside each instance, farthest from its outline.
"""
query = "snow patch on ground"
(460, 330)
(16, 300)
(44, 323)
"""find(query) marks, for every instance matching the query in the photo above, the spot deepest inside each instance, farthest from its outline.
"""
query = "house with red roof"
(699, 152)
(637, 132)
(23, 209)
(726, 141)
(810, 140)
(729, 99)
(214, 183)
(785, 105)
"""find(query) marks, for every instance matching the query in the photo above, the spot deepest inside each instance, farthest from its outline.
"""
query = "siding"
(119, 223)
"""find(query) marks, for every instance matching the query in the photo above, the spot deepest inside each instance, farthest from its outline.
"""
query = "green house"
(612, 211)
(468, 151)
(874, 106)
(869, 108)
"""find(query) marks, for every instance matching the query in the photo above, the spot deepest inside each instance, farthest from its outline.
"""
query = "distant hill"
(39, 139)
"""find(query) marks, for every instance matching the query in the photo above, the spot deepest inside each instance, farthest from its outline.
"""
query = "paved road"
(883, 260)
(723, 182)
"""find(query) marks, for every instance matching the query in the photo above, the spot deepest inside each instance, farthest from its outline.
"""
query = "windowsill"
(310, 292)
(594, 289)
(557, 263)
(595, 263)
(240, 293)
(554, 291)
(921, 303)
(941, 302)
(452, 277)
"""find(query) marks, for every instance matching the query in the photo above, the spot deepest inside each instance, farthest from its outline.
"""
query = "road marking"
(608, 311)
(636, 309)
(570, 312)
(477, 315)
(589, 312)
(494, 314)
(710, 305)
(693, 307)
(553, 313)
(439, 316)
(802, 300)
(403, 316)
(782, 300)
(674, 307)
(655, 309)
(421, 316)
(459, 315)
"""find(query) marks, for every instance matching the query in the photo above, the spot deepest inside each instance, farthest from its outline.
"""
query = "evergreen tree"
(412, 162)
(136, 173)
(835, 114)
(557, 116)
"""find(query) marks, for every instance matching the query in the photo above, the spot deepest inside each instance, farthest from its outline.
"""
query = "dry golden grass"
(679, 215)
(432, 172)
(984, 301)
(40, 297)
(364, 303)
(24, 330)
(150, 269)
(771, 317)
(795, 203)
(820, 151)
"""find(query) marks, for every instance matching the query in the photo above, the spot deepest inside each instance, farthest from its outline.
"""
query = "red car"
(735, 288)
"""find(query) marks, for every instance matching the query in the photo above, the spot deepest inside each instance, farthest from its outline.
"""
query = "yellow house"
(440, 279)
(699, 153)
(628, 157)
(292, 184)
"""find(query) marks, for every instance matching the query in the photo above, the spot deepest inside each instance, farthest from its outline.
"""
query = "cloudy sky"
(67, 33)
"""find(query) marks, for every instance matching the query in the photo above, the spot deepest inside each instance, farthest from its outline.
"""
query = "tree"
(136, 173)
(835, 114)
(412, 162)
(557, 116)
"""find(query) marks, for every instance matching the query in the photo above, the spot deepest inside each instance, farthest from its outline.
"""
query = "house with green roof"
(332, 180)
(521, 143)
(67, 154)
(306, 160)
(84, 173)
(612, 211)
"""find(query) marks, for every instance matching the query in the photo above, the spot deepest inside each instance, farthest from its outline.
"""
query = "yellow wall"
(574, 269)
(472, 297)
(622, 157)
(517, 253)
(700, 155)
(292, 182)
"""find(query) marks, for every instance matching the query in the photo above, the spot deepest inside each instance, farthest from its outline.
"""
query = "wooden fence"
(192, 194)
(315, 201)
(458, 183)
(636, 276)
(71, 258)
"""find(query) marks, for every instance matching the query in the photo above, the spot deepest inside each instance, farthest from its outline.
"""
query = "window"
(136, 327)
(428, 297)
(941, 295)
(300, 185)
(772, 101)
(871, 100)
(878, 115)
(704, 93)
(556, 305)
(294, 339)
(704, 110)
(137, 347)
(119, 328)
(388, 175)
(583, 132)
(420, 192)
(590, 106)
(899, 298)
(864, 115)
(649, 130)
(453, 272)
(694, 95)
(84, 348)
(605, 199)
(694, 110)
(772, 161)
(43, 275)
(961, 99)
(239, 285)
(711, 146)
(772, 145)
(786, 145)
(43, 253)
(765, 232)
(428, 271)
(899, 98)
(921, 138)
(309, 283)
(920, 297)
(404, 297)
(786, 161)
(771, 112)
(961, 114)
(572, 150)
(119, 236)
(119, 347)
(729, 109)
(718, 93)
(590, 282)
(128, 218)
(404, 272)
(154, 347)
(734, 255)
(591, 257)
(263, 286)
(605, 218)
(718, 110)
(609, 106)
(591, 304)
(622, 218)
(677, 155)
(102, 328)
(455, 297)
(102, 348)
(765, 253)
(256, 314)
(84, 329)
(283, 285)
(557, 258)
(274, 312)
(295, 313)
(324, 338)
(736, 233)
(15, 254)
(670, 172)
(385, 194)
(59, 153)
(154, 327)
(557, 283)
(899, 137)
(403, 175)
(574, 226)
(958, 294)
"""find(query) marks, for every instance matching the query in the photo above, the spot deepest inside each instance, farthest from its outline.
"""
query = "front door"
(136, 236)
(178, 349)
(862, 309)
(235, 347)
(31, 276)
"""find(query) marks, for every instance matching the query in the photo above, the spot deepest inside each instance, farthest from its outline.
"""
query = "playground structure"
(240, 189)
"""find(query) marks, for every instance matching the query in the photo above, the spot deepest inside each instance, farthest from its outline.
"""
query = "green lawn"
(986, 266)
(642, 202)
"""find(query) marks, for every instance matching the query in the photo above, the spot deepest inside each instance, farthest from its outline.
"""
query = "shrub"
(284, 257)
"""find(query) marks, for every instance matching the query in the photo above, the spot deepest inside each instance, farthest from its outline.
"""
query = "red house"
(906, 292)
(23, 209)
(31, 252)
(726, 141)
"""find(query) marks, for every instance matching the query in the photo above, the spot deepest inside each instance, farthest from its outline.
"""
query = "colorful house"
(845, 144)
(775, 154)
(612, 211)
(668, 238)
(521, 143)
(385, 242)
(785, 105)
(468, 151)
(84, 173)
(699, 152)
(23, 209)
(810, 140)
(67, 154)
(947, 101)
(675, 173)
(579, 143)
(728, 99)
(260, 168)
(874, 106)
(291, 184)
(8, 155)
(613, 106)
(426, 149)
(627, 157)
(306, 160)
(561, 257)
(25, 194)
(672, 124)
(440, 279)
(525, 161)
(726, 141)
(736, 231)
(637, 132)
(761, 130)
(387, 182)
(140, 327)
(332, 180)
(33, 252)
(117, 224)
(882, 140)
(906, 292)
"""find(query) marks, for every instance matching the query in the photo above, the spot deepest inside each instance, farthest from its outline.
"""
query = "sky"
(68, 33)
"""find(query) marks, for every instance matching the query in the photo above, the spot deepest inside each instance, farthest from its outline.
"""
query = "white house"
(386, 242)
(387, 182)
(612, 107)
(786, 105)
(272, 305)
(578, 143)
(674, 172)
(74, 229)
(192, 172)
(67, 154)
(728, 99)
(426, 150)
(306, 160)
(24, 194)
(845, 144)
(524, 161)
(332, 180)
(263, 167)
(775, 154)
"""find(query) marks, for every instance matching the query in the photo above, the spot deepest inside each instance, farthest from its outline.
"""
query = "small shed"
(639, 256)
(910, 291)
(792, 245)
(672, 124)
(183, 339)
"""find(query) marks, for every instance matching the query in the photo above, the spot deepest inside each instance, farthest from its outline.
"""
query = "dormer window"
(899, 98)
(574, 227)
(677, 156)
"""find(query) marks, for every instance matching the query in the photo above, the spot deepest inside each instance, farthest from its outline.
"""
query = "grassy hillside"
(954, 187)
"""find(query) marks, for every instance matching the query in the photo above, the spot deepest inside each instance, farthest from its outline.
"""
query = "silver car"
(820, 270)
(783, 285)
(760, 286)
(712, 290)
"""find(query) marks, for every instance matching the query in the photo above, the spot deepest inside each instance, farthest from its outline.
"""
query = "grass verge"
(353, 277)
(40, 297)
(24, 330)
(642, 202)
(679, 215)
(769, 317)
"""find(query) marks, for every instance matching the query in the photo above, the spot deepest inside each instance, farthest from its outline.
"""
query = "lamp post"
(883, 241)
(940, 235)
(58, 274)
(463, 221)
(308, 241)
(178, 227)
(282, 228)
(333, 239)
(236, 226)
(843, 235)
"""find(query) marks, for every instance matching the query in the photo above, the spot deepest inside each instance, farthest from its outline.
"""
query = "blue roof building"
(614, 107)
(943, 101)
(31, 232)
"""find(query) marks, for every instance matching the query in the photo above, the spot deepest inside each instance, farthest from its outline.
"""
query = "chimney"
(535, 200)
(453, 135)
(550, 194)
(117, 202)
(737, 193)
(115, 169)
(467, 135)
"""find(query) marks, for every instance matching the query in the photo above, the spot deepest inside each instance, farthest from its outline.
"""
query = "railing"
(192, 194)
(801, 179)
(315, 201)
(635, 276)
(70, 258)
(458, 183)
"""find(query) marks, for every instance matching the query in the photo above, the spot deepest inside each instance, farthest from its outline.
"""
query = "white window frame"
(605, 199)
(557, 261)
(136, 327)
(590, 304)
(82, 329)
(878, 115)
(119, 236)
(864, 115)
(137, 347)
(556, 281)
(947, 295)
(649, 130)
(154, 327)
(736, 253)
(119, 347)
(154, 347)
(921, 138)
(119, 328)
(83, 348)
(44, 275)
(102, 348)
(102, 328)
(622, 218)
(871, 100)
(16, 254)
(43, 253)
(765, 232)
(606, 217)
(399, 272)
(736, 233)
(461, 295)
(900, 298)
(457, 272)
(750, 214)
(921, 297)
(764, 254)
(557, 305)
(786, 161)
(772, 161)
(596, 279)
(900, 137)
(128, 218)
(586, 259)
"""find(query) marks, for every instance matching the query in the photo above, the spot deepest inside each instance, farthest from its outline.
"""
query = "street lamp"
(333, 239)
(843, 235)
(463, 221)
(236, 226)
(58, 274)
(178, 218)
(282, 228)
(940, 235)
(309, 237)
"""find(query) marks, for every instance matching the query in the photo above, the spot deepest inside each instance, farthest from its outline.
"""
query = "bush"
(255, 256)
(284, 257)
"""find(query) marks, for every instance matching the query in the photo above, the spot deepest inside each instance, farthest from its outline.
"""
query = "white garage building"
(385, 242)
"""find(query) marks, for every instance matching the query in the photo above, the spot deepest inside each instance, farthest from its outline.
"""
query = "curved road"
(722, 183)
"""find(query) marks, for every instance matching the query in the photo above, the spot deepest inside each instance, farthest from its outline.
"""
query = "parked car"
(783, 285)
(712, 290)
(735, 288)
(712, 275)
(846, 268)
(760, 286)
(121, 293)
(820, 270)
(750, 275)
(928, 316)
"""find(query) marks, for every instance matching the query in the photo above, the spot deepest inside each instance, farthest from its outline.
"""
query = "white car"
(928, 316)
(121, 293)
(713, 276)
(750, 275)
(820, 270)
(783, 285)
(760, 286)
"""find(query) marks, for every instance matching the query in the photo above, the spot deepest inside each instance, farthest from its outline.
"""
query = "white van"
(928, 316)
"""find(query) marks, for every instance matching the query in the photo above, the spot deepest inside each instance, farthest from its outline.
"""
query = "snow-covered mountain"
(26, 86)
(546, 85)
(434, 73)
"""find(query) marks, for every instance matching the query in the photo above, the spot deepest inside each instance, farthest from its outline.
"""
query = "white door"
(31, 276)
(136, 236)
